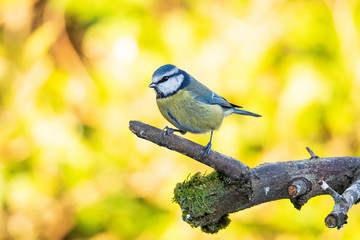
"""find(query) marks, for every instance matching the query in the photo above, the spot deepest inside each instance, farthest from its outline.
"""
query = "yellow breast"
(188, 114)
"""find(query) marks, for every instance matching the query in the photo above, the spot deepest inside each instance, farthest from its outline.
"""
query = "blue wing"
(203, 94)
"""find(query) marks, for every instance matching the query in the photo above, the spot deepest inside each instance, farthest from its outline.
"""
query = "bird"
(189, 105)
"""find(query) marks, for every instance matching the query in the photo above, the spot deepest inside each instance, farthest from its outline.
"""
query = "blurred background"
(74, 73)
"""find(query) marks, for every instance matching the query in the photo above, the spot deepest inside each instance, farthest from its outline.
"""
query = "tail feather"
(244, 112)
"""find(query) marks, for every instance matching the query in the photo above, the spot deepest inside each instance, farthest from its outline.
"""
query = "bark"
(206, 201)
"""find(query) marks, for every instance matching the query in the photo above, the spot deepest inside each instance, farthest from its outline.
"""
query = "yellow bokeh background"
(74, 73)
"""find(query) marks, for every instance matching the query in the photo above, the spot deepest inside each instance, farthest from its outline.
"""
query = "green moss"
(197, 196)
(223, 222)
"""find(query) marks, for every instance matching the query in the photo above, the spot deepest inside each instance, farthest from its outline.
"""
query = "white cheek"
(171, 85)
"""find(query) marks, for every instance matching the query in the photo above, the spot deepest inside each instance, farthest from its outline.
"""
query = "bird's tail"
(244, 112)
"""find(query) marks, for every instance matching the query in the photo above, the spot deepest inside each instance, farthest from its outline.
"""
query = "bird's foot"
(207, 149)
(168, 131)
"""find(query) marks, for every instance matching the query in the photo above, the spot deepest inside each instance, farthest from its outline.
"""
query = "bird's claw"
(207, 149)
(168, 131)
(208, 146)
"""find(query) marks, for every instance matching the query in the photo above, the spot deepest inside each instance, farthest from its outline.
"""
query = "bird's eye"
(164, 79)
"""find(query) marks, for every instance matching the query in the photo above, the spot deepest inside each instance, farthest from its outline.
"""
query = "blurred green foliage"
(73, 73)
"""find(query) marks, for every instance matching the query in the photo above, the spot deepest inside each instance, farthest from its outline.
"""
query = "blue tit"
(189, 105)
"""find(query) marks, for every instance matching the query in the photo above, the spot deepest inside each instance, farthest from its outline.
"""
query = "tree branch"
(207, 200)
(338, 217)
(221, 163)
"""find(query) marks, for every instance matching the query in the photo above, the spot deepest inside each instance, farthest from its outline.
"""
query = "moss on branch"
(198, 195)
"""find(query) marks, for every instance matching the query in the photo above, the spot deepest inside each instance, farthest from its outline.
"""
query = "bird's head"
(167, 80)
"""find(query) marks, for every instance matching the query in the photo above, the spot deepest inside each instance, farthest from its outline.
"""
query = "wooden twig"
(226, 165)
(338, 216)
(312, 154)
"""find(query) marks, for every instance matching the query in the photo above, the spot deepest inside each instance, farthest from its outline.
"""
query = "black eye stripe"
(165, 78)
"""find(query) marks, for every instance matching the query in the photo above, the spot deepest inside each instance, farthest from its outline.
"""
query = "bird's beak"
(152, 85)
